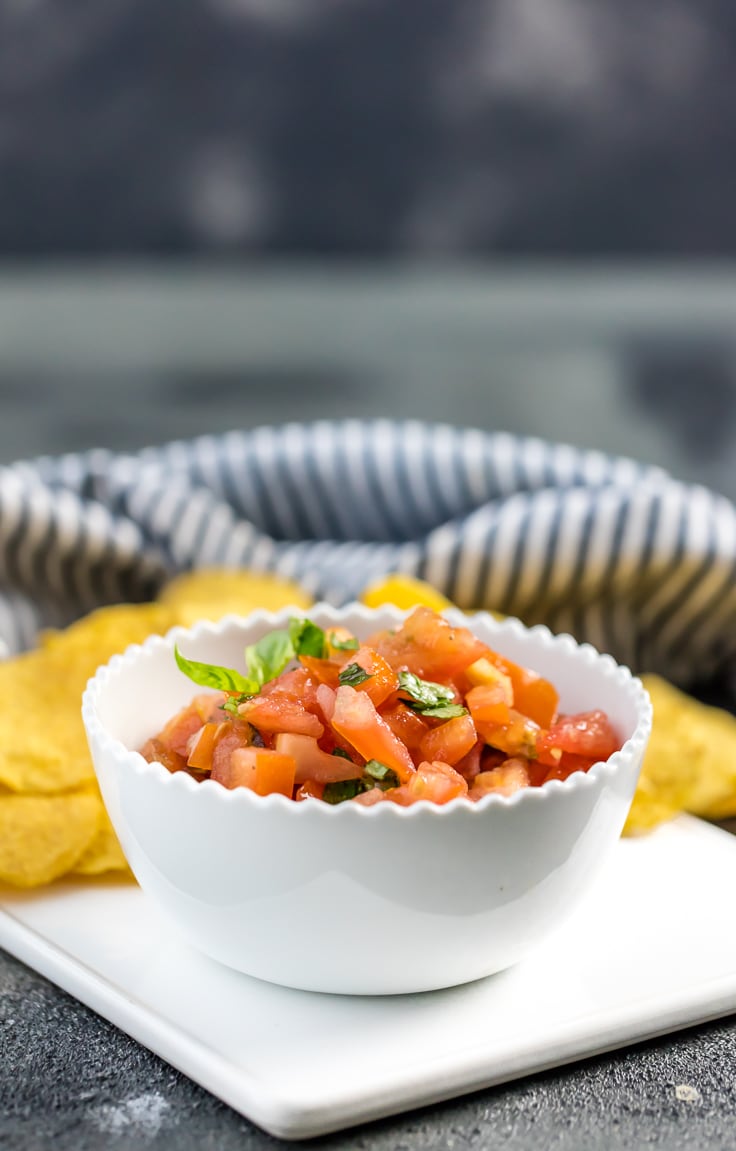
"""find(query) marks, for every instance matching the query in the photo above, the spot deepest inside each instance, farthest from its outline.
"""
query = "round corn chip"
(43, 836)
(109, 630)
(404, 592)
(43, 746)
(104, 854)
(211, 593)
(690, 762)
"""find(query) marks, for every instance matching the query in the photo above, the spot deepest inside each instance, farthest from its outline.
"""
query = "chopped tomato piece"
(314, 763)
(259, 768)
(355, 718)
(238, 734)
(323, 670)
(310, 789)
(510, 776)
(489, 703)
(179, 730)
(450, 741)
(202, 745)
(405, 724)
(589, 734)
(534, 695)
(517, 737)
(281, 711)
(436, 782)
(382, 679)
(470, 764)
(155, 751)
(429, 646)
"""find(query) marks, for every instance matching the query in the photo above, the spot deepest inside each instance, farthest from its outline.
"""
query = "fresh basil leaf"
(442, 711)
(423, 691)
(342, 754)
(344, 789)
(268, 658)
(353, 674)
(351, 644)
(307, 638)
(428, 698)
(384, 777)
(212, 675)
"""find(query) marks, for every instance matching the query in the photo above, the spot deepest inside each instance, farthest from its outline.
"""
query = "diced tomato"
(510, 776)
(566, 766)
(310, 789)
(370, 798)
(335, 637)
(355, 718)
(298, 682)
(179, 730)
(281, 711)
(450, 741)
(517, 737)
(533, 695)
(382, 679)
(313, 763)
(238, 734)
(469, 765)
(436, 782)
(259, 768)
(202, 745)
(323, 670)
(489, 703)
(589, 734)
(155, 751)
(325, 702)
(406, 724)
(429, 646)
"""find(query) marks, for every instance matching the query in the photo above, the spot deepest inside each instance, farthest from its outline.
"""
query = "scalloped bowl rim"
(633, 746)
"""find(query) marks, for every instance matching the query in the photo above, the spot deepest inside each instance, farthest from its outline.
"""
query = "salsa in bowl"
(374, 802)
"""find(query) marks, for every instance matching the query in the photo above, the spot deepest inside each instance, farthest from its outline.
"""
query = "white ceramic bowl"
(353, 899)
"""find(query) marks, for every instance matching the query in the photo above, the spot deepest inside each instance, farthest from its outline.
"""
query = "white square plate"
(652, 949)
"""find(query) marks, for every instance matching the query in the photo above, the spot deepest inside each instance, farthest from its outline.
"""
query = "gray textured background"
(368, 127)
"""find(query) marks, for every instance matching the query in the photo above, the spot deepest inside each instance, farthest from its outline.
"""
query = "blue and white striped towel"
(616, 552)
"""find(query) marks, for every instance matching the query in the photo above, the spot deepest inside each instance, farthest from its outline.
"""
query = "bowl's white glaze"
(364, 900)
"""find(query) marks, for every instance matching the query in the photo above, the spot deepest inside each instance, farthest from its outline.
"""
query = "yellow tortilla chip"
(43, 746)
(405, 592)
(211, 593)
(690, 763)
(42, 837)
(104, 853)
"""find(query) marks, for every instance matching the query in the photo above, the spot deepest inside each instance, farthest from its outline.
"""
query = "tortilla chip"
(690, 763)
(404, 592)
(104, 853)
(211, 593)
(42, 837)
(43, 746)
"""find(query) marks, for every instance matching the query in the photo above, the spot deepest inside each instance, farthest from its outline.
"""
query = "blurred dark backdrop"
(572, 128)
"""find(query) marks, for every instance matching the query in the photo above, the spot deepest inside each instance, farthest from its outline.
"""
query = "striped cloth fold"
(616, 552)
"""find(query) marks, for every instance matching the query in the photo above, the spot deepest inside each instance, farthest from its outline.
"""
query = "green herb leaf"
(429, 698)
(383, 776)
(268, 658)
(212, 675)
(233, 702)
(342, 754)
(353, 674)
(444, 711)
(351, 644)
(344, 789)
(307, 638)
